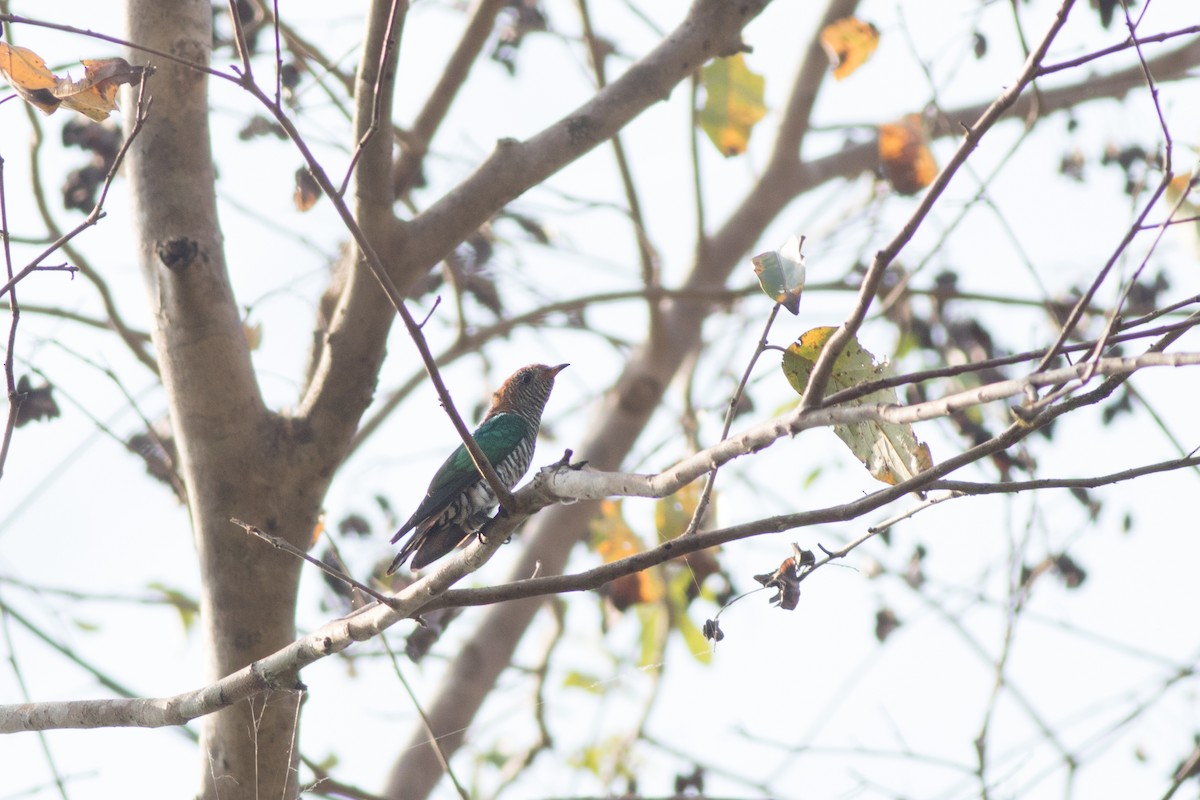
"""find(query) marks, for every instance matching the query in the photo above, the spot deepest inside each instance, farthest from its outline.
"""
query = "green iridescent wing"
(498, 437)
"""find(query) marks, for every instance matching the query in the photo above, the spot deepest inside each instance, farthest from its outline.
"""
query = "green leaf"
(187, 607)
(693, 637)
(605, 758)
(329, 762)
(811, 477)
(590, 758)
(589, 683)
(653, 638)
(891, 452)
(781, 273)
(733, 103)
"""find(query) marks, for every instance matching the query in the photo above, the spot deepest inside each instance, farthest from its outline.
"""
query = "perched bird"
(459, 500)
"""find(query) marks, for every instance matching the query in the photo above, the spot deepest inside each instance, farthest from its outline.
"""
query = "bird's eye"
(527, 377)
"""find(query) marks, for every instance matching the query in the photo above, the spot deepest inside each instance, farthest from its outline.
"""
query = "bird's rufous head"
(526, 391)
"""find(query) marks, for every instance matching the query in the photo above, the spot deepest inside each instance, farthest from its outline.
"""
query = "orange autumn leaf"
(613, 539)
(904, 155)
(318, 529)
(1179, 186)
(94, 96)
(849, 42)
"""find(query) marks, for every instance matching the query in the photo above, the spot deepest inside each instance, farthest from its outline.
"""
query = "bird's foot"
(565, 461)
(482, 533)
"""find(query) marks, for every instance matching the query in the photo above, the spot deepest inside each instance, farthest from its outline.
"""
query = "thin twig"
(163, 54)
(694, 148)
(646, 254)
(1168, 176)
(175, 479)
(62, 240)
(278, 51)
(730, 413)
(815, 392)
(433, 738)
(375, 265)
(415, 143)
(1186, 770)
(1117, 48)
(928, 502)
(10, 381)
(391, 43)
(308, 50)
(280, 543)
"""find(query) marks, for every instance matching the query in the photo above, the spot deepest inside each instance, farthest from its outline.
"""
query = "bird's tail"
(407, 550)
(429, 545)
(434, 545)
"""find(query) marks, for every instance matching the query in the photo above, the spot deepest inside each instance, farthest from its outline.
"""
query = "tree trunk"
(235, 456)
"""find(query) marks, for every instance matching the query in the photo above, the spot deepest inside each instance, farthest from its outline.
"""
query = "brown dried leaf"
(94, 96)
(34, 402)
(307, 192)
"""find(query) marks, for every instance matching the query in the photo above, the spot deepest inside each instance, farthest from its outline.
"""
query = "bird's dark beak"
(555, 370)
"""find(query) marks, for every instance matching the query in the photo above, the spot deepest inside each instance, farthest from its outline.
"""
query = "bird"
(459, 499)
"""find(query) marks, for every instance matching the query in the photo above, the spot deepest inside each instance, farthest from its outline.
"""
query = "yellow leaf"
(1180, 189)
(612, 537)
(733, 103)
(1179, 186)
(849, 42)
(891, 452)
(27, 73)
(904, 155)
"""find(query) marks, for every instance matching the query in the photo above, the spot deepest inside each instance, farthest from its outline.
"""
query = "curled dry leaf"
(34, 402)
(786, 579)
(781, 273)
(886, 622)
(94, 96)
